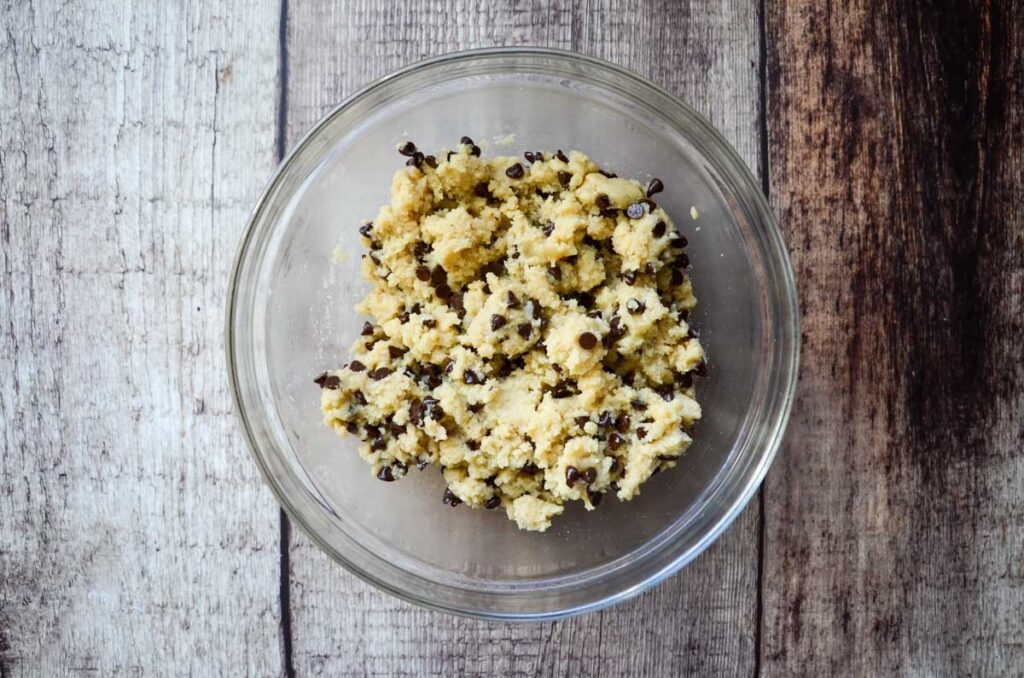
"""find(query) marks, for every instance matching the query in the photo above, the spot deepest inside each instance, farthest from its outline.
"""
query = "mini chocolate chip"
(659, 229)
(385, 474)
(351, 427)
(533, 308)
(370, 343)
(548, 229)
(561, 156)
(481, 190)
(416, 160)
(529, 156)
(380, 373)
(622, 423)
(497, 322)
(493, 502)
(511, 300)
(515, 171)
(421, 249)
(606, 419)
(561, 390)
(684, 314)
(628, 378)
(367, 330)
(582, 420)
(594, 314)
(359, 397)
(683, 261)
(430, 161)
(595, 498)
(635, 210)
(408, 148)
(438, 276)
(641, 433)
(396, 429)
(473, 445)
(629, 277)
(432, 409)
(429, 323)
(635, 306)
(614, 441)
(530, 467)
(602, 201)
(588, 340)
(589, 476)
(544, 195)
(572, 474)
(676, 278)
(685, 380)
(365, 229)
(471, 377)
(356, 366)
(443, 291)
(404, 316)
(331, 382)
(524, 330)
(564, 178)
(555, 272)
(423, 273)
(466, 141)
(639, 405)
(666, 392)
(538, 156)
(475, 151)
(448, 366)
(701, 370)
(378, 443)
(450, 499)
(396, 352)
(654, 186)
(616, 331)
(679, 241)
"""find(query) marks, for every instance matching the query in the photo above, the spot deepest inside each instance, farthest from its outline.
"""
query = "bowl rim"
(774, 243)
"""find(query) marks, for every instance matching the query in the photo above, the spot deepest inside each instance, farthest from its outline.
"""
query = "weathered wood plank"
(703, 621)
(893, 540)
(135, 535)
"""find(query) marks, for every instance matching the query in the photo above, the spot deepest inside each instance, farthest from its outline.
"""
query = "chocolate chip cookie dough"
(529, 333)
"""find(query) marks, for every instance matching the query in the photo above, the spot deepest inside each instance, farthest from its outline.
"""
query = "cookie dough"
(528, 333)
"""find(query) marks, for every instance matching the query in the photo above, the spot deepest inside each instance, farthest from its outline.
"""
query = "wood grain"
(701, 622)
(135, 536)
(893, 540)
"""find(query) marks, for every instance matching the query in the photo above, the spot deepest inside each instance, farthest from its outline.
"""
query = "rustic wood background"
(135, 534)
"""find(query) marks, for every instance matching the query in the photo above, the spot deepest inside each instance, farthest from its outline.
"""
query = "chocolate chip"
(615, 329)
(385, 474)
(495, 267)
(493, 502)
(407, 149)
(475, 407)
(396, 352)
(351, 427)
(614, 441)
(701, 370)
(544, 195)
(423, 273)
(606, 419)
(561, 390)
(416, 412)
(429, 323)
(422, 464)
(582, 420)
(377, 443)
(564, 178)
(328, 381)
(628, 378)
(511, 300)
(430, 161)
(666, 392)
(450, 499)
(432, 409)
(416, 160)
(635, 306)
(421, 249)
(365, 229)
(396, 429)
(635, 210)
(561, 156)
(683, 260)
(356, 366)
(474, 445)
(497, 322)
(622, 423)
(659, 229)
(515, 171)
(685, 380)
(595, 498)
(529, 156)
(466, 141)
(524, 330)
(470, 377)
(651, 205)
(629, 277)
(404, 316)
(572, 474)
(548, 229)
(588, 340)
(639, 405)
(676, 278)
(530, 467)
(379, 373)
(475, 151)
(538, 156)
(594, 314)
(455, 301)
(555, 272)
(684, 314)
(654, 186)
(443, 291)
(533, 308)
(610, 175)
(367, 330)
(679, 241)
(359, 397)
(589, 476)
(602, 201)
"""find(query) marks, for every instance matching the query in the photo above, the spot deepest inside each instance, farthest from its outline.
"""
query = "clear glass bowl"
(290, 316)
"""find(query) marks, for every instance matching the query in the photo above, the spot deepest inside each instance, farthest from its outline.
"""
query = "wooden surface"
(135, 535)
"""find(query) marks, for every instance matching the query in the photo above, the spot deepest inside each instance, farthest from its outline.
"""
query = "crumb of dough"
(527, 332)
(694, 214)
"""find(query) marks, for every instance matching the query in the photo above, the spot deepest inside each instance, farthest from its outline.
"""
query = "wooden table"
(136, 536)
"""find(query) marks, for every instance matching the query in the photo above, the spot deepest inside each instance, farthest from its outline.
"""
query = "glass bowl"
(290, 316)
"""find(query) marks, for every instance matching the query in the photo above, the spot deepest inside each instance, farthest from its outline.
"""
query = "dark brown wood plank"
(894, 514)
(702, 621)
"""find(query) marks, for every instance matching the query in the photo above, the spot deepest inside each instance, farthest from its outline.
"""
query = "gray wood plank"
(135, 535)
(700, 622)
(893, 519)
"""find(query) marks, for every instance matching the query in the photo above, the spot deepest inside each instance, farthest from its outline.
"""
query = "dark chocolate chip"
(629, 277)
(602, 201)
(448, 366)
(659, 229)
(594, 314)
(450, 499)
(351, 427)
(497, 322)
(561, 156)
(595, 498)
(377, 443)
(493, 502)
(423, 273)
(701, 370)
(548, 229)
(628, 378)
(416, 160)
(676, 278)
(511, 300)
(416, 412)
(432, 409)
(421, 249)
(589, 476)
(683, 260)
(359, 397)
(615, 329)
(356, 366)
(614, 441)
(396, 429)
(365, 229)
(679, 241)
(475, 151)
(396, 352)
(481, 190)
(610, 175)
(470, 377)
(529, 156)
(582, 420)
(327, 381)
(641, 433)
(639, 405)
(455, 301)
(564, 178)
(367, 330)
(622, 423)
(685, 380)
(385, 474)
(530, 467)
(515, 171)
(635, 210)
(430, 161)
(466, 141)
(635, 306)
(588, 340)
(538, 156)
(684, 314)
(475, 407)
(525, 329)
(533, 308)
(666, 392)
(429, 322)
(654, 186)
(572, 474)
(407, 149)
(606, 419)
(443, 291)
(473, 445)
(555, 272)
(438, 276)
(561, 390)
(380, 373)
